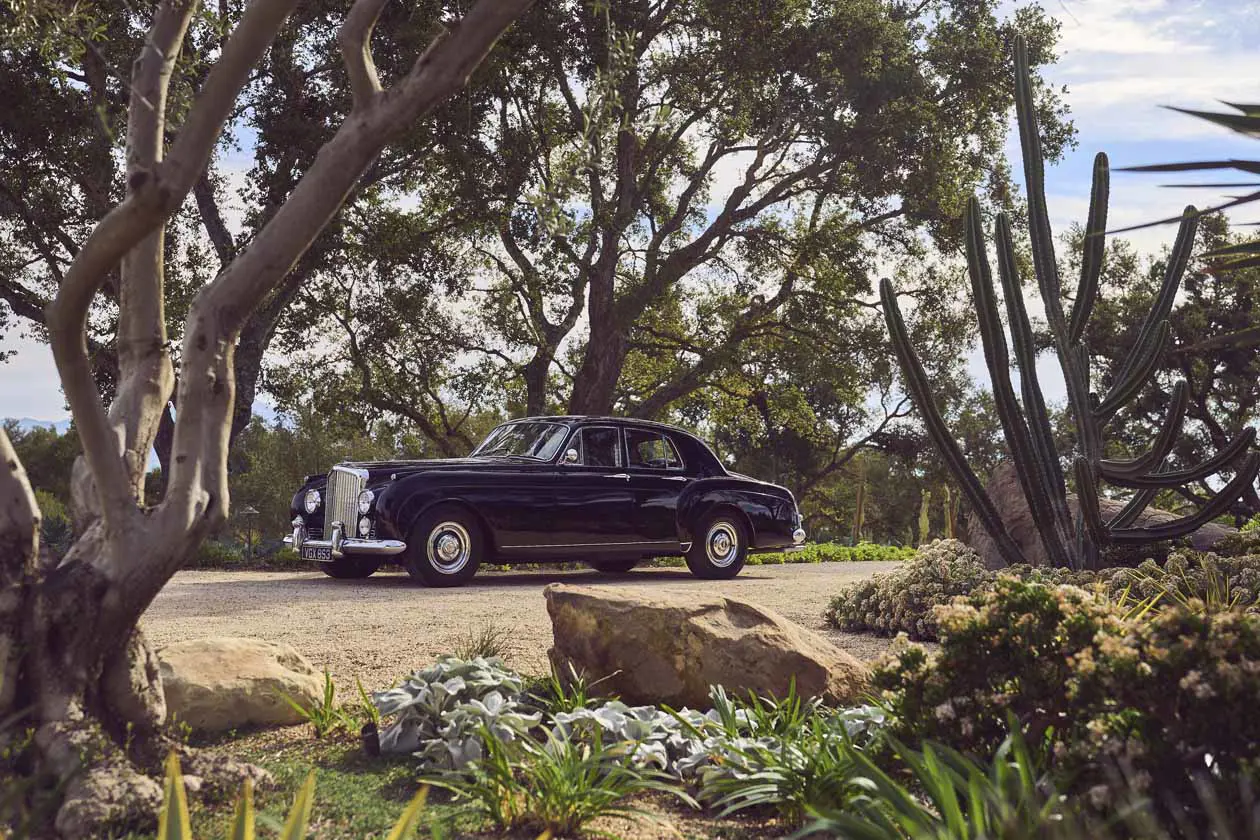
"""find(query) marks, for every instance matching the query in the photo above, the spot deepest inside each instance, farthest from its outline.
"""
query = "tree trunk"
(73, 664)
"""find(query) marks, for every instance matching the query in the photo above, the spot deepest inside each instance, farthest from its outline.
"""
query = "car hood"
(384, 469)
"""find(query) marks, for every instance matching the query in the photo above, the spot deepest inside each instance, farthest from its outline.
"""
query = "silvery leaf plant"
(438, 713)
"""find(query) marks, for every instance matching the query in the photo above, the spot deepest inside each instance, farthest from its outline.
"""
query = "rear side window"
(652, 450)
(598, 447)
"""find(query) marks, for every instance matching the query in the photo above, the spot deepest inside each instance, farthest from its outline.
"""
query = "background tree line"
(678, 212)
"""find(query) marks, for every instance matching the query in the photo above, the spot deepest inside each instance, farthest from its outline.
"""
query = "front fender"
(404, 501)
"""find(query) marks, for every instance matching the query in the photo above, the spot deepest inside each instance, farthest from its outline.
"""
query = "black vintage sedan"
(607, 491)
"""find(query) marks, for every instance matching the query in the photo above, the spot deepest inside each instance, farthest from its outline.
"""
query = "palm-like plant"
(1027, 427)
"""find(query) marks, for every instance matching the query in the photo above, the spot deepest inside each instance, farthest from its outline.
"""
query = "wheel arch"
(702, 512)
(487, 533)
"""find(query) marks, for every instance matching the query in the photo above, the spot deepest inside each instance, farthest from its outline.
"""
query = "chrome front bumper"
(340, 545)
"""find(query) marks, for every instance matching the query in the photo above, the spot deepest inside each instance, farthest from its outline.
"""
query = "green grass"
(356, 796)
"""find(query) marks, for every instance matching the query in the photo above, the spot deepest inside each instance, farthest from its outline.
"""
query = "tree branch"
(355, 39)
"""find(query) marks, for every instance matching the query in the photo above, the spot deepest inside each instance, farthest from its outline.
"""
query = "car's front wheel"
(719, 547)
(613, 565)
(446, 547)
(347, 568)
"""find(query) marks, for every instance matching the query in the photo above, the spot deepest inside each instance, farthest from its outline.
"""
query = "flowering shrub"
(903, 601)
(1109, 698)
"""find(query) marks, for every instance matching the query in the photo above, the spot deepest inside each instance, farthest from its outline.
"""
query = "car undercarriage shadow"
(529, 577)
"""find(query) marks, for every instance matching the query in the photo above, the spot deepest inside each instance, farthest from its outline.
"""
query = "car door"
(657, 477)
(593, 501)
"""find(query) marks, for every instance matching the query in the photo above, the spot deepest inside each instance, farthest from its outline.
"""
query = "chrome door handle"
(675, 478)
(626, 476)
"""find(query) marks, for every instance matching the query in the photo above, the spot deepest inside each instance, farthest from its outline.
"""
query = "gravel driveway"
(382, 628)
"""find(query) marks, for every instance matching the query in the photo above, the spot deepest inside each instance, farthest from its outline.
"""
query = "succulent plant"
(1026, 426)
(438, 714)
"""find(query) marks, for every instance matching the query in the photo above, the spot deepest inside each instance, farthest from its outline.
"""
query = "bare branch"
(355, 39)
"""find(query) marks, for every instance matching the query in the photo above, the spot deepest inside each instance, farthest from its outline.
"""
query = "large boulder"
(1008, 497)
(217, 684)
(656, 648)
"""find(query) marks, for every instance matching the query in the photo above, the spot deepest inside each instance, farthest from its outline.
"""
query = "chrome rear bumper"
(340, 545)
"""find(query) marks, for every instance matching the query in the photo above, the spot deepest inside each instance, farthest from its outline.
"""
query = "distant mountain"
(28, 423)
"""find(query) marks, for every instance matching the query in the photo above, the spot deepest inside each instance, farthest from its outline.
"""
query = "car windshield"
(529, 440)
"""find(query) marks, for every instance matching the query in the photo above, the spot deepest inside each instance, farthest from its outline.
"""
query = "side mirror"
(570, 457)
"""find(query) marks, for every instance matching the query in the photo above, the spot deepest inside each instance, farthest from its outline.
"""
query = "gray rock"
(217, 684)
(665, 649)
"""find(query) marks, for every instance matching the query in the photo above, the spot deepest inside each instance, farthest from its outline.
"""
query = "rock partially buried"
(217, 684)
(1004, 489)
(667, 649)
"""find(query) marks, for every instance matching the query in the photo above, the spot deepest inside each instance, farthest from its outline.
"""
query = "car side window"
(652, 450)
(598, 446)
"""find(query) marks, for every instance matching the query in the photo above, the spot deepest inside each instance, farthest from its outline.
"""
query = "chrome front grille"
(342, 502)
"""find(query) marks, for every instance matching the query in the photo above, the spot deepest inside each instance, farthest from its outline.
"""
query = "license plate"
(312, 552)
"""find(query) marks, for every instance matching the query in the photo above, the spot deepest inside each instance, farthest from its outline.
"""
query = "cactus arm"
(1230, 453)
(1164, 440)
(1092, 259)
(1087, 502)
(1216, 506)
(1132, 510)
(1041, 458)
(1030, 472)
(1139, 369)
(920, 390)
(1176, 267)
(1044, 264)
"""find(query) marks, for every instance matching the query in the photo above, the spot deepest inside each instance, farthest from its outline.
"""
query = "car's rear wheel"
(346, 568)
(446, 547)
(613, 565)
(719, 546)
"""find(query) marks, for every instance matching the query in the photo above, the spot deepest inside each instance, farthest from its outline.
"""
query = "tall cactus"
(1026, 426)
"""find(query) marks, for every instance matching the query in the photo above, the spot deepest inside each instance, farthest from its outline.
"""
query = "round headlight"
(310, 502)
(365, 527)
(365, 501)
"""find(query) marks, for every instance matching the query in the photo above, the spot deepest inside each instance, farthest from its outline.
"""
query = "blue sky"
(1121, 60)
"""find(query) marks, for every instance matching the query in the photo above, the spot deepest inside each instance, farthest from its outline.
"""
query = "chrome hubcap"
(722, 544)
(449, 547)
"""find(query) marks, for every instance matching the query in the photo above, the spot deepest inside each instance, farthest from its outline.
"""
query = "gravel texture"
(382, 628)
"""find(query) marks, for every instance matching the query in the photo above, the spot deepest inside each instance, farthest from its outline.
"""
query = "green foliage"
(48, 457)
(212, 554)
(556, 786)
(565, 691)
(489, 641)
(950, 796)
(174, 820)
(836, 553)
(1156, 701)
(325, 716)
(56, 531)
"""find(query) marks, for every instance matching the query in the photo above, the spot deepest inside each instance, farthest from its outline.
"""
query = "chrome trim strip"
(356, 546)
(594, 545)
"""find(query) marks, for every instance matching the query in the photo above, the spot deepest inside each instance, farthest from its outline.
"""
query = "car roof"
(585, 418)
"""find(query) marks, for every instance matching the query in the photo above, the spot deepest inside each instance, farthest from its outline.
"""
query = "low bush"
(212, 554)
(835, 553)
(904, 600)
(1121, 705)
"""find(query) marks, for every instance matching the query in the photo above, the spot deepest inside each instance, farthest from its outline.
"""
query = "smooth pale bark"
(71, 656)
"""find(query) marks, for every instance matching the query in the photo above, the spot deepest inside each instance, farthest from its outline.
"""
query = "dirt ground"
(382, 628)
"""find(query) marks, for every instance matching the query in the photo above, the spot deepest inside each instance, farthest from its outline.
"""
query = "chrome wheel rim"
(722, 544)
(449, 547)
